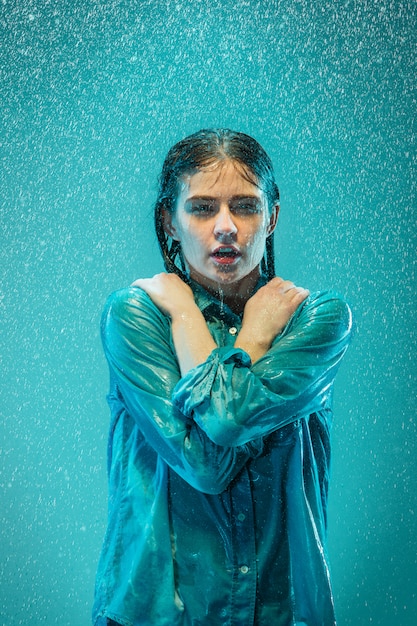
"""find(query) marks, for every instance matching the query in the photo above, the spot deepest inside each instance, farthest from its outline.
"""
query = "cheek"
(256, 236)
(191, 244)
(255, 244)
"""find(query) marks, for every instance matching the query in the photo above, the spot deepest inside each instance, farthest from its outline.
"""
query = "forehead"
(221, 180)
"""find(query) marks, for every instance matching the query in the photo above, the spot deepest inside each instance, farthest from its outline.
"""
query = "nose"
(224, 224)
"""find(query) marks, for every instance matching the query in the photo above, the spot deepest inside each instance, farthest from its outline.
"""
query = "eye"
(246, 206)
(202, 208)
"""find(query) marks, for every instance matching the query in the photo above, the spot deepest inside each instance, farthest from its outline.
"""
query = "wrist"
(255, 346)
(186, 314)
(192, 339)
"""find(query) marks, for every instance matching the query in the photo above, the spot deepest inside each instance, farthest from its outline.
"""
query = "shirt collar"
(207, 303)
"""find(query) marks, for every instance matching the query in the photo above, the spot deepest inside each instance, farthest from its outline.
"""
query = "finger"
(286, 286)
(300, 294)
(291, 287)
(139, 282)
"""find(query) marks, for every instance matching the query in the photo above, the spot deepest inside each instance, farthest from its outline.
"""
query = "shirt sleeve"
(138, 346)
(236, 402)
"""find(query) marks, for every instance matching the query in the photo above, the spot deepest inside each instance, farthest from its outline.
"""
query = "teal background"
(93, 94)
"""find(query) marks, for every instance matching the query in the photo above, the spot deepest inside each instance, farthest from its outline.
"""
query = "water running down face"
(222, 222)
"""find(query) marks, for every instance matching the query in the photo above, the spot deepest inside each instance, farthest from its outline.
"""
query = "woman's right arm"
(138, 346)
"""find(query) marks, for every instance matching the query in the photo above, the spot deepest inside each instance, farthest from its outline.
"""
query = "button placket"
(244, 595)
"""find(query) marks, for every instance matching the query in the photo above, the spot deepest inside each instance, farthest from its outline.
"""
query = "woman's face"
(222, 222)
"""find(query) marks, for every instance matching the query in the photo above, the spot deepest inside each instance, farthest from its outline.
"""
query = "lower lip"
(226, 260)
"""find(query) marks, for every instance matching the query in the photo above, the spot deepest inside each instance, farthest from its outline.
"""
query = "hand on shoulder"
(271, 307)
(267, 312)
(170, 294)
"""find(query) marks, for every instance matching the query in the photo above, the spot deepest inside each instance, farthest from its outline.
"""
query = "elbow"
(209, 482)
(226, 433)
(212, 468)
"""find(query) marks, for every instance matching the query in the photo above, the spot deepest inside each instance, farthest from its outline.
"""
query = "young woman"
(220, 394)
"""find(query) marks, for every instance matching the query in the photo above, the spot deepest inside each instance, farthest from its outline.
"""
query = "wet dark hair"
(203, 149)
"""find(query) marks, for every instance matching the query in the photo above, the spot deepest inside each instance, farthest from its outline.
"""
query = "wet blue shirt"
(218, 480)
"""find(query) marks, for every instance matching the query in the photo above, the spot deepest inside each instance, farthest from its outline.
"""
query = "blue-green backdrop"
(93, 93)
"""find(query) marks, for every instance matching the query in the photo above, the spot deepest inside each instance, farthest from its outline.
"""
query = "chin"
(226, 276)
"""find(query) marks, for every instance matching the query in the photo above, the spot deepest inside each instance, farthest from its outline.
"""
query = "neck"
(235, 295)
(235, 302)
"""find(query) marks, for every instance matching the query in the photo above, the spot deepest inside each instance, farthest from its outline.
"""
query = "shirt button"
(233, 330)
(244, 569)
(241, 517)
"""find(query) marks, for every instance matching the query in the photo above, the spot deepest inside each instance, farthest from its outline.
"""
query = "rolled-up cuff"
(196, 386)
